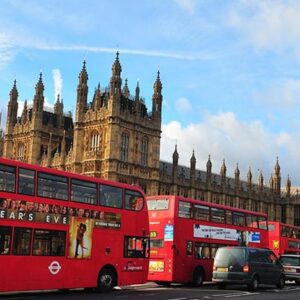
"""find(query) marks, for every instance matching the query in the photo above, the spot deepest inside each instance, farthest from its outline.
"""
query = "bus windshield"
(158, 204)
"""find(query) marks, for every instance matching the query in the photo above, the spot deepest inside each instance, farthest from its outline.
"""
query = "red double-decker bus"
(284, 238)
(60, 230)
(185, 234)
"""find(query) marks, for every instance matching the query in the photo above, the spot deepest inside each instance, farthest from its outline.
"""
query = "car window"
(290, 260)
(230, 256)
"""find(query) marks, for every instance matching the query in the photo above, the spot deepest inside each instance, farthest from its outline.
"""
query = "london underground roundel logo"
(54, 267)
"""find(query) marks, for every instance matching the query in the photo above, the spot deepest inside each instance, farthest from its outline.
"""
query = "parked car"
(250, 266)
(291, 265)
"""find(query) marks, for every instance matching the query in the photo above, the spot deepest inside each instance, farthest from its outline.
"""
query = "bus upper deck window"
(7, 178)
(26, 182)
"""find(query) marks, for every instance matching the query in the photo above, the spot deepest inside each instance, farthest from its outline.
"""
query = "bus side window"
(7, 178)
(26, 182)
(189, 248)
(22, 240)
(5, 240)
(136, 247)
(133, 200)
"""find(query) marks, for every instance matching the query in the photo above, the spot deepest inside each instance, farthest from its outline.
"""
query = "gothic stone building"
(114, 137)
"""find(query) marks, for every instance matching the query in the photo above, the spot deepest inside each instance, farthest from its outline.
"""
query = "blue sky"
(230, 70)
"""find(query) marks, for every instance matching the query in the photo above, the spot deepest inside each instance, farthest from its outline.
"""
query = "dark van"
(245, 265)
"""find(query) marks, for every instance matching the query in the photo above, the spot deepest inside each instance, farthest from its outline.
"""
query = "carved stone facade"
(114, 137)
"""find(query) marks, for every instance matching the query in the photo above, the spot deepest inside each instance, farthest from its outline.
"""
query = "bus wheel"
(106, 280)
(198, 277)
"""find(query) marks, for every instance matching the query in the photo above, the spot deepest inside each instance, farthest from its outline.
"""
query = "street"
(151, 291)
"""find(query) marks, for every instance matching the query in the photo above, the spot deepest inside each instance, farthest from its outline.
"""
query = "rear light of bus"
(245, 268)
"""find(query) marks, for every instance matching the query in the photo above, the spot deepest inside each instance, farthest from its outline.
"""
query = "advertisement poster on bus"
(229, 234)
(169, 232)
(80, 234)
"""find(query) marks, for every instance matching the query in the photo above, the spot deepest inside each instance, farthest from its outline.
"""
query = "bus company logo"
(54, 267)
(130, 267)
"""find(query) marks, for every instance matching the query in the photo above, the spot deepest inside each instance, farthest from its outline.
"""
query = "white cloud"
(187, 5)
(268, 24)
(183, 105)
(281, 95)
(223, 136)
(142, 52)
(6, 51)
(57, 83)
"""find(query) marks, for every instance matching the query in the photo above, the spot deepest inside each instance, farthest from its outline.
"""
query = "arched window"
(95, 141)
(21, 151)
(124, 147)
(144, 152)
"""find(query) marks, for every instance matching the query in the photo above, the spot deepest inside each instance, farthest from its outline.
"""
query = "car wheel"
(281, 282)
(221, 285)
(253, 286)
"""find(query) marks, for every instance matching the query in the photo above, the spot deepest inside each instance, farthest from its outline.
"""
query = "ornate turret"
(175, 163)
(116, 81)
(157, 99)
(249, 178)
(208, 165)
(277, 177)
(223, 170)
(12, 109)
(260, 180)
(97, 98)
(237, 176)
(24, 113)
(126, 91)
(82, 92)
(193, 162)
(38, 100)
(288, 186)
(137, 91)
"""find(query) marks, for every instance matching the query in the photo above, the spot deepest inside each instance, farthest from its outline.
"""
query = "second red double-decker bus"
(186, 233)
(284, 238)
(60, 230)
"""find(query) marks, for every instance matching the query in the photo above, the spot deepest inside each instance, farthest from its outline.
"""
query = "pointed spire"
(175, 156)
(39, 88)
(223, 169)
(14, 92)
(260, 179)
(249, 176)
(193, 161)
(38, 100)
(288, 185)
(126, 92)
(237, 171)
(137, 91)
(83, 75)
(157, 84)
(208, 165)
(97, 98)
(277, 168)
(24, 113)
(116, 67)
